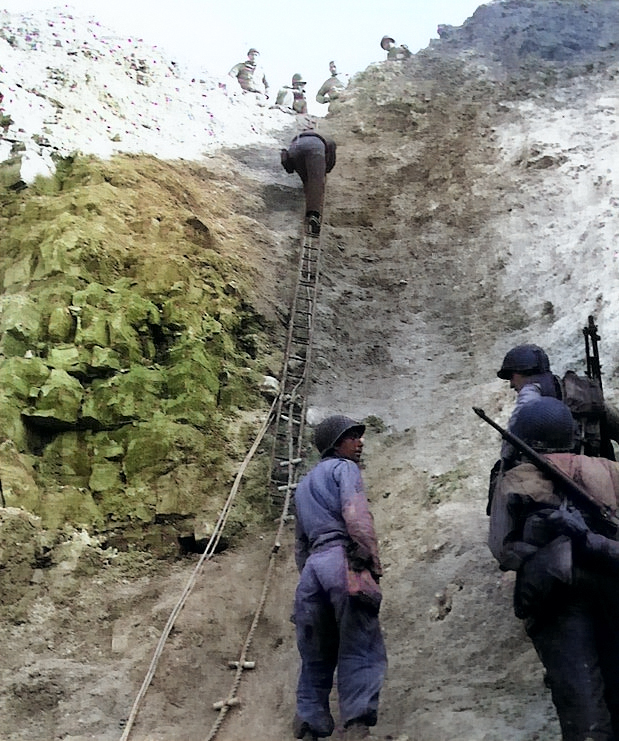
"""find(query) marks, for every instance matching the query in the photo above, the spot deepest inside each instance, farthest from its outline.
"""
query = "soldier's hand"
(569, 521)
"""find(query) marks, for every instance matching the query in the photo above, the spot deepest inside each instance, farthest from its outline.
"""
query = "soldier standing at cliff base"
(565, 552)
(338, 598)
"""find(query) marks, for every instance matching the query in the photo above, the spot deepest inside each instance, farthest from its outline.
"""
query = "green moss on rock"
(129, 345)
(57, 402)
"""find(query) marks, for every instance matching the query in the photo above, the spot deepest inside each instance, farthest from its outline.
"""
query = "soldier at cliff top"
(331, 88)
(250, 75)
(292, 98)
(395, 53)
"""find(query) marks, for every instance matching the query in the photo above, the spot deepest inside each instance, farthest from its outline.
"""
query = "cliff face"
(133, 346)
(473, 207)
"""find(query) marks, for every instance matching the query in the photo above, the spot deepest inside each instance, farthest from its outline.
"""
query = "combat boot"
(303, 730)
(312, 225)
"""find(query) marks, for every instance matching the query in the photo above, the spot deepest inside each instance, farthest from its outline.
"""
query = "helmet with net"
(546, 425)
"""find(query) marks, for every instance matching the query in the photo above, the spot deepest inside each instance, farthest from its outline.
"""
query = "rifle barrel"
(545, 466)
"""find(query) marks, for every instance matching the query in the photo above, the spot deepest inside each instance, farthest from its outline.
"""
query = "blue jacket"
(332, 509)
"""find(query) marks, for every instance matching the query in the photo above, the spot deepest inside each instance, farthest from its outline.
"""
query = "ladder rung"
(292, 462)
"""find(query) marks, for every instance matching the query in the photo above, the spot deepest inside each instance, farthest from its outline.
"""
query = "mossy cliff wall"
(128, 348)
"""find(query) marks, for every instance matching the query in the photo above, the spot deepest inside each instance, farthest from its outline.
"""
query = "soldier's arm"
(528, 393)
(599, 550)
(320, 95)
(612, 421)
(591, 548)
(357, 515)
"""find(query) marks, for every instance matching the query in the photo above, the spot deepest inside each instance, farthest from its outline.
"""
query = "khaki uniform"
(330, 90)
(251, 77)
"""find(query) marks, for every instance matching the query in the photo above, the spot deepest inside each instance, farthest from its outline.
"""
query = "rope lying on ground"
(208, 552)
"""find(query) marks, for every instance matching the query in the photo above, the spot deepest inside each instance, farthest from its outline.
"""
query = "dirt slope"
(473, 207)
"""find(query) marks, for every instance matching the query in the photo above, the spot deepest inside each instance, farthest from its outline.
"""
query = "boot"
(312, 224)
(303, 730)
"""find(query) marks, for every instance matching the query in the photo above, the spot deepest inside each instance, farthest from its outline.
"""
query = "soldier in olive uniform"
(250, 75)
(331, 88)
(395, 53)
(292, 98)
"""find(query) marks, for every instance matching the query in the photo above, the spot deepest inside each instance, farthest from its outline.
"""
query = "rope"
(215, 537)
(208, 552)
(230, 701)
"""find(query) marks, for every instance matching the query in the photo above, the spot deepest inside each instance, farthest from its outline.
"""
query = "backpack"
(585, 400)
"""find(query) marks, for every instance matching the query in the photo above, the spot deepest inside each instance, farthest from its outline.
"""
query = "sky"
(291, 35)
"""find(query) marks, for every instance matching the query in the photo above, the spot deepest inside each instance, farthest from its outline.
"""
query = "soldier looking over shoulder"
(338, 598)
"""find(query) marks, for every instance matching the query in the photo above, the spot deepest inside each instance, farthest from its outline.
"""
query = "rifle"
(594, 372)
(577, 493)
(594, 369)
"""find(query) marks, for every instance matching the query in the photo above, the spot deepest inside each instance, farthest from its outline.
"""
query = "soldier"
(331, 88)
(250, 75)
(311, 156)
(527, 368)
(337, 599)
(566, 557)
(293, 98)
(394, 53)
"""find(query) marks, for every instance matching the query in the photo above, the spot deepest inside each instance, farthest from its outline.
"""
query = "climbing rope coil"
(287, 417)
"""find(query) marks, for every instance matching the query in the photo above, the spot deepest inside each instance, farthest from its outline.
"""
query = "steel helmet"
(331, 429)
(525, 359)
(384, 40)
(297, 78)
(546, 425)
(253, 51)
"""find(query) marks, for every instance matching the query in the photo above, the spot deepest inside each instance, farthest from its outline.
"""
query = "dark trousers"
(577, 640)
(308, 156)
(335, 631)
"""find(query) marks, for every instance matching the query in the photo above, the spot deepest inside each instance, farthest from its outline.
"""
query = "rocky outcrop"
(127, 344)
